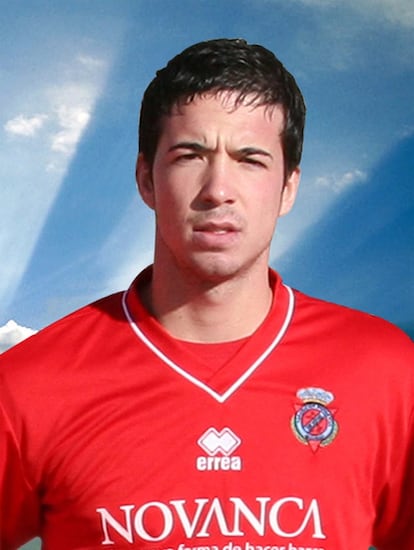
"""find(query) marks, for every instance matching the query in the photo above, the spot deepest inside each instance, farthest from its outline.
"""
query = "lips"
(219, 228)
(215, 235)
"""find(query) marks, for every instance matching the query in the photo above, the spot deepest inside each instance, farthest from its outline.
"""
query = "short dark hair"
(224, 65)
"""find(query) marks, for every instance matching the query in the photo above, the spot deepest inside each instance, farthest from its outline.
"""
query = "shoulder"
(63, 338)
(346, 326)
(60, 365)
(366, 361)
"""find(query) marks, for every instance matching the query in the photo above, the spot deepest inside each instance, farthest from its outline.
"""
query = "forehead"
(223, 112)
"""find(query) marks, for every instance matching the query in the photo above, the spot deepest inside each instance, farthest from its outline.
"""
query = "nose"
(218, 185)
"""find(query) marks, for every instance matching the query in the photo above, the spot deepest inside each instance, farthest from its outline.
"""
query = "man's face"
(217, 187)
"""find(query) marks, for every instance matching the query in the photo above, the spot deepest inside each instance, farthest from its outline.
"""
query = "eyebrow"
(255, 151)
(200, 148)
(193, 145)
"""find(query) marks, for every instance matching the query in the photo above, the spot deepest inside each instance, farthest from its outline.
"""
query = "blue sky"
(72, 75)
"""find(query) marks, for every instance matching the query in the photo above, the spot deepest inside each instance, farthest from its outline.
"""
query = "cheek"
(171, 210)
(270, 204)
(164, 195)
(170, 205)
(174, 198)
(267, 216)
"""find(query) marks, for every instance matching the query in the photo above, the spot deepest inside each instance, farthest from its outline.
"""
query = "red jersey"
(114, 434)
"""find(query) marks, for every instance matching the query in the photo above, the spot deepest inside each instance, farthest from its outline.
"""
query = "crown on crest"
(315, 394)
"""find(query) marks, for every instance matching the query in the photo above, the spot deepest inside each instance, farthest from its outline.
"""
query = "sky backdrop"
(72, 75)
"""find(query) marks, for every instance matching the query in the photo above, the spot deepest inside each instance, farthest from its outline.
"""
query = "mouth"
(216, 236)
(216, 228)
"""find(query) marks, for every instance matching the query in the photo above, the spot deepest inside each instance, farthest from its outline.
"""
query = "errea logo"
(214, 442)
(219, 447)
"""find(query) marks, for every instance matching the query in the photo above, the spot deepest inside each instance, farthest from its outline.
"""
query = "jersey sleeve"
(394, 527)
(19, 506)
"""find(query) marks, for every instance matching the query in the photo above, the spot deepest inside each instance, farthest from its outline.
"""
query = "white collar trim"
(220, 397)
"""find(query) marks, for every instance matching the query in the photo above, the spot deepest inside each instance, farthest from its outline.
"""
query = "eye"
(190, 156)
(253, 162)
(187, 157)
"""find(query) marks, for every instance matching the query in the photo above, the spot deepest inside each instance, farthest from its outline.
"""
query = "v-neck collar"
(222, 382)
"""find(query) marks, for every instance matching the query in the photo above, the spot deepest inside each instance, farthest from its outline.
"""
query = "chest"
(159, 460)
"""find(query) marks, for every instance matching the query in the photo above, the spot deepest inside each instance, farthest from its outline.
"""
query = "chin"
(215, 271)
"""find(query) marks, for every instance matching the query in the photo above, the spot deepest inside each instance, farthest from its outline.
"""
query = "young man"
(210, 406)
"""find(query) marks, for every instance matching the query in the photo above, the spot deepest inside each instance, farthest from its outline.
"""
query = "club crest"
(314, 422)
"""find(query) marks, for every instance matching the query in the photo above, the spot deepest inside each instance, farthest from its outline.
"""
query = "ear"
(143, 175)
(289, 192)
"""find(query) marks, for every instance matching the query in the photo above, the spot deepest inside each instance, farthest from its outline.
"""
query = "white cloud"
(67, 110)
(72, 120)
(71, 110)
(11, 334)
(399, 12)
(91, 62)
(33, 170)
(314, 199)
(396, 12)
(339, 184)
(25, 126)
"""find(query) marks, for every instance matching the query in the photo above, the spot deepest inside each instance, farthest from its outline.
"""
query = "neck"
(202, 311)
